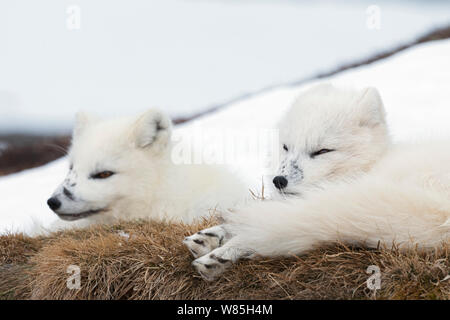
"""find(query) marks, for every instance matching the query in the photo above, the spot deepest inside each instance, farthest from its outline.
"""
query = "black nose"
(280, 182)
(54, 203)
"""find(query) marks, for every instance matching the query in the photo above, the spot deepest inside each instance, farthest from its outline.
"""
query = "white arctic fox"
(122, 169)
(404, 199)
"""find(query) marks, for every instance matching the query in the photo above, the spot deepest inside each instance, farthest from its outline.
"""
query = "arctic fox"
(328, 133)
(122, 169)
(404, 199)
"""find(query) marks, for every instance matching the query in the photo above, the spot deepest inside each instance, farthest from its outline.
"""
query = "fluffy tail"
(367, 212)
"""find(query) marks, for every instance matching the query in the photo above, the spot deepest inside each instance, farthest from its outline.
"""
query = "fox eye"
(102, 175)
(285, 147)
(321, 151)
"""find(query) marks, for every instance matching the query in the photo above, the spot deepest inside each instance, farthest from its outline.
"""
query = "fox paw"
(205, 241)
(211, 266)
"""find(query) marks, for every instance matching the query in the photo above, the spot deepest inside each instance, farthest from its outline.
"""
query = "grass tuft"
(146, 260)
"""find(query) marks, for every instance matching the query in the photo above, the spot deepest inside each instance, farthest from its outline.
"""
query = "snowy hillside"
(414, 86)
(180, 55)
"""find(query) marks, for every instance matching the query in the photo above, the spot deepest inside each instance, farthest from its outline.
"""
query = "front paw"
(205, 241)
(199, 244)
(211, 266)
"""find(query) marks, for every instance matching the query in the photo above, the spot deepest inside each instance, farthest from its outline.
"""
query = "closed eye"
(285, 147)
(102, 175)
(321, 151)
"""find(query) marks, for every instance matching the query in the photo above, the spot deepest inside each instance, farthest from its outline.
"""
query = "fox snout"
(54, 203)
(280, 182)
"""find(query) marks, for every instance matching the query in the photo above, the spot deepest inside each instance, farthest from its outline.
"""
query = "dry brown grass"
(153, 264)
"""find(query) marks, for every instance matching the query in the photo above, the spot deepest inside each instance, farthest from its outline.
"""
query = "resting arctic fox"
(404, 199)
(122, 169)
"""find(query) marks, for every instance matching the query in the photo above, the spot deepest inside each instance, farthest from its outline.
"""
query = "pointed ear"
(372, 109)
(151, 129)
(82, 121)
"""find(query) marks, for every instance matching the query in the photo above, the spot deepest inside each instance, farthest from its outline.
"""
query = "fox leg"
(364, 213)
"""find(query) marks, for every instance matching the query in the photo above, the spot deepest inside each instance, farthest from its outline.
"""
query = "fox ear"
(372, 109)
(152, 128)
(82, 121)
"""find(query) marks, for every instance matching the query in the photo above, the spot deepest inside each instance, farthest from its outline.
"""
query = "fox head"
(329, 133)
(111, 160)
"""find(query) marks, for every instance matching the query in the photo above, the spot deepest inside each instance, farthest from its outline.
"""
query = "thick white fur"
(352, 122)
(146, 183)
(398, 195)
(404, 200)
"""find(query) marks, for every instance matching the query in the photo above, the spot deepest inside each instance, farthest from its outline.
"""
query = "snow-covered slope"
(414, 85)
(180, 55)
